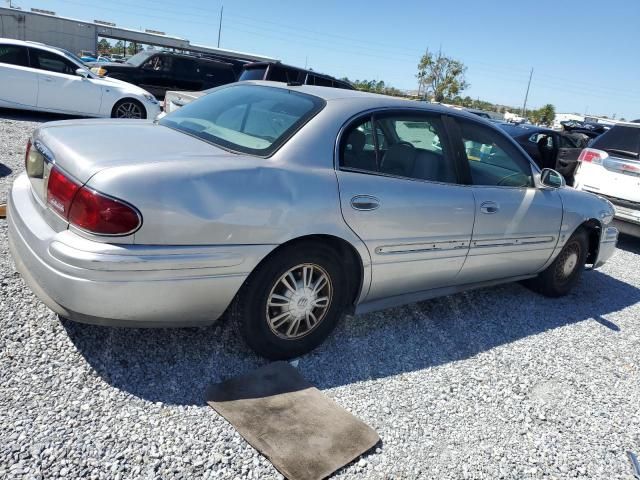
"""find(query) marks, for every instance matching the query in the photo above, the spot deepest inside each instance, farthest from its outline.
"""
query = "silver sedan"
(287, 206)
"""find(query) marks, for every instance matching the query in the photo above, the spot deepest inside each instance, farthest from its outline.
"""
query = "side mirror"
(552, 179)
(81, 72)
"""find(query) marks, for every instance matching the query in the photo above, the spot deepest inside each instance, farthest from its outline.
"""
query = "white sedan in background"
(39, 77)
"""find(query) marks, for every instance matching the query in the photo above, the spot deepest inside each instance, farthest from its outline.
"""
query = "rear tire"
(560, 277)
(276, 310)
(129, 108)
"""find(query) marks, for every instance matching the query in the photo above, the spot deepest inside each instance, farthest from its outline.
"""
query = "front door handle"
(489, 207)
(365, 203)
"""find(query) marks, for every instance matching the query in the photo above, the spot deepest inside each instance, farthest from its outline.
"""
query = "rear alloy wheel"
(129, 108)
(292, 301)
(559, 278)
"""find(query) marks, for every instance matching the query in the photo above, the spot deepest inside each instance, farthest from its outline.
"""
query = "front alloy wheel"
(129, 109)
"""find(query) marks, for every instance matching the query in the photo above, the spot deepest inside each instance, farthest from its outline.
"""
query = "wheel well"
(593, 229)
(129, 99)
(353, 266)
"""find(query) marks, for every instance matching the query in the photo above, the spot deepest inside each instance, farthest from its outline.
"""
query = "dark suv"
(158, 72)
(278, 72)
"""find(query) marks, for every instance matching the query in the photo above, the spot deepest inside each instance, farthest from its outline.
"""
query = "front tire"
(292, 301)
(561, 276)
(129, 108)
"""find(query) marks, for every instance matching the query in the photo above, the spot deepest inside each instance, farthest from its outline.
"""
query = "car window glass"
(493, 160)
(278, 73)
(51, 62)
(14, 55)
(159, 63)
(248, 118)
(215, 74)
(253, 73)
(621, 138)
(319, 81)
(407, 146)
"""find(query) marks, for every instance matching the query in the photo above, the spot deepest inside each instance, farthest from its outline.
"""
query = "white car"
(39, 77)
(610, 167)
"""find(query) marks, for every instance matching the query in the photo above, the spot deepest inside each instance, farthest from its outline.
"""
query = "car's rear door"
(516, 224)
(399, 193)
(60, 88)
(19, 81)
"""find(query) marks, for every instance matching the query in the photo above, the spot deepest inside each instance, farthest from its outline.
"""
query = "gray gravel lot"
(495, 383)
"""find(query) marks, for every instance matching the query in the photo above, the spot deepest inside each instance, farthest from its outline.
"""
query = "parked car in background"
(548, 148)
(35, 76)
(287, 206)
(158, 72)
(279, 72)
(610, 167)
(272, 71)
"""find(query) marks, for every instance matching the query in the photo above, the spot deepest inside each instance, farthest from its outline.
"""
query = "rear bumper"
(123, 285)
(608, 242)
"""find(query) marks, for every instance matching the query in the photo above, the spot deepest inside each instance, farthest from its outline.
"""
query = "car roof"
(374, 100)
(28, 43)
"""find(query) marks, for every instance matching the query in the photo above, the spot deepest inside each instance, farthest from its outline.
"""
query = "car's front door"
(60, 88)
(156, 75)
(19, 82)
(399, 193)
(567, 160)
(516, 224)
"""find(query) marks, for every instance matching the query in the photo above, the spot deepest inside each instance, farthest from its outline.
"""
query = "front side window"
(493, 160)
(51, 62)
(159, 63)
(404, 145)
(246, 118)
(14, 55)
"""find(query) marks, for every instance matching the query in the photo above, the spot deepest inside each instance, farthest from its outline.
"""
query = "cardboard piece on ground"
(304, 434)
(3, 210)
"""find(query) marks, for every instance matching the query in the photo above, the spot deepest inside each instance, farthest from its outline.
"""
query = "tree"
(118, 47)
(440, 76)
(547, 114)
(104, 46)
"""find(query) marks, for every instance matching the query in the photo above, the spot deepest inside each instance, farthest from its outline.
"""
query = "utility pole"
(526, 96)
(220, 25)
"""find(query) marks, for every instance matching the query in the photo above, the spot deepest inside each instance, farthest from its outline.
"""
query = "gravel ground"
(495, 383)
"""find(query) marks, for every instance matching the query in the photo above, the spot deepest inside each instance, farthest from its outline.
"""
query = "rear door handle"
(489, 207)
(365, 203)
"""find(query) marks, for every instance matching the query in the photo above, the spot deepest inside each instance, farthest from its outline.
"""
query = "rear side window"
(246, 118)
(185, 67)
(253, 73)
(623, 139)
(14, 55)
(407, 146)
(278, 73)
(319, 81)
(51, 62)
(215, 74)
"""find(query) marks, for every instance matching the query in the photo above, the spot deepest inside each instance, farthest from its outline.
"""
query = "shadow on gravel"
(4, 170)
(175, 366)
(629, 244)
(29, 116)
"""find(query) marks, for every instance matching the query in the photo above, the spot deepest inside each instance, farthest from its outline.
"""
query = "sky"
(583, 54)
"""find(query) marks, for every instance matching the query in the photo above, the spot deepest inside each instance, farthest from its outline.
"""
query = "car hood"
(78, 145)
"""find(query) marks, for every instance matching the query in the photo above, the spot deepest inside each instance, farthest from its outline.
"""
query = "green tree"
(104, 46)
(547, 114)
(440, 77)
(118, 47)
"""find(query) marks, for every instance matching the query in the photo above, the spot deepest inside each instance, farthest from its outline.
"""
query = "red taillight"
(591, 155)
(90, 210)
(60, 192)
(102, 215)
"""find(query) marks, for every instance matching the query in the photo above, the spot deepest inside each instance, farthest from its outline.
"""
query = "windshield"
(246, 118)
(139, 58)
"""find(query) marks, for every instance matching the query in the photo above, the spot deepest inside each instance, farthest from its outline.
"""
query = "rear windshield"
(250, 119)
(623, 140)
